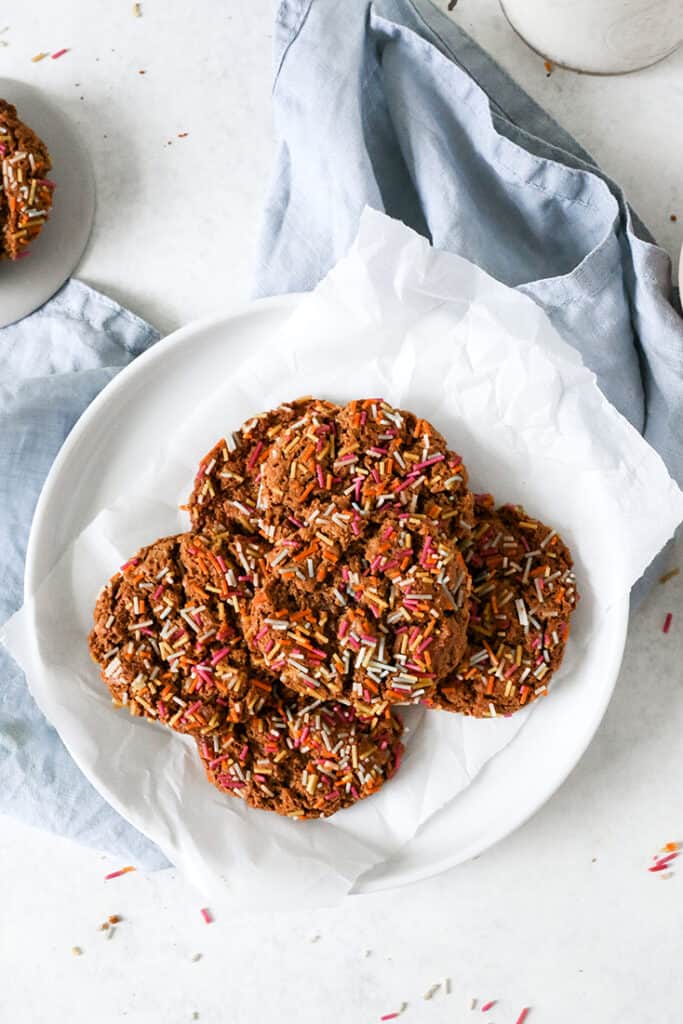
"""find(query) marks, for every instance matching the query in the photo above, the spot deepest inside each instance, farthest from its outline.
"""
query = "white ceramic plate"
(97, 460)
(27, 284)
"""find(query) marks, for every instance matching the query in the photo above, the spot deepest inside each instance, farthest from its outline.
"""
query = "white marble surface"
(563, 915)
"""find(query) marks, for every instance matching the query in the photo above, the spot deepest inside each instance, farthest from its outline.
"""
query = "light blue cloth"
(52, 364)
(385, 105)
(390, 104)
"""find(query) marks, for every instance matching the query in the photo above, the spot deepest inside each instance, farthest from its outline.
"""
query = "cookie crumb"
(137, 10)
(315, 937)
(76, 951)
(673, 218)
(669, 575)
(549, 67)
(195, 957)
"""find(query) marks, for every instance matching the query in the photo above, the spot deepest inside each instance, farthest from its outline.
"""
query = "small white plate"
(27, 284)
(95, 465)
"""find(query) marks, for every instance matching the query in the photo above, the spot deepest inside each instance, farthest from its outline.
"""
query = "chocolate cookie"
(26, 193)
(523, 595)
(227, 487)
(381, 621)
(303, 759)
(167, 635)
(368, 459)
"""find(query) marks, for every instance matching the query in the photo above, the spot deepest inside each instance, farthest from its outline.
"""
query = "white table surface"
(562, 916)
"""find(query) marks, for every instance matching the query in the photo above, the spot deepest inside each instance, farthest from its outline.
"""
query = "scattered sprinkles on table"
(25, 190)
(663, 861)
(117, 874)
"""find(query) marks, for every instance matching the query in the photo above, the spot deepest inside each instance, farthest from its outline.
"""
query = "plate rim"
(366, 883)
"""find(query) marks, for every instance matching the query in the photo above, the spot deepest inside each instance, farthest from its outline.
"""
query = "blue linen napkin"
(392, 105)
(388, 104)
(52, 364)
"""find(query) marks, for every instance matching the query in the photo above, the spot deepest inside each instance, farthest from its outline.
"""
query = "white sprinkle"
(432, 990)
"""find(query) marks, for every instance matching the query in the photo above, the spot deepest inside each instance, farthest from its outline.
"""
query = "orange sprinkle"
(39, 56)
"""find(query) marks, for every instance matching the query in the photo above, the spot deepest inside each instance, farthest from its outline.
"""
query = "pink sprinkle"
(192, 708)
(304, 734)
(161, 709)
(343, 628)
(256, 451)
(127, 565)
(147, 631)
(261, 633)
(59, 53)
(523, 1016)
(425, 644)
(51, 184)
(663, 862)
(487, 1006)
(667, 623)
(158, 592)
(358, 482)
(219, 559)
(319, 473)
(219, 760)
(429, 462)
(207, 915)
(389, 1016)
(219, 655)
(363, 417)
(243, 752)
(296, 522)
(2, 150)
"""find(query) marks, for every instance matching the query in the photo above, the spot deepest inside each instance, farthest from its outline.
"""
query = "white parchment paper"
(430, 332)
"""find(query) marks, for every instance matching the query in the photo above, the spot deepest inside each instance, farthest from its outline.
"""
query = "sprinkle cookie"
(26, 192)
(227, 487)
(303, 759)
(167, 637)
(523, 595)
(382, 623)
(369, 459)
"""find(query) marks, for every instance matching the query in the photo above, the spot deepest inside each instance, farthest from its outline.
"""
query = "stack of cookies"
(337, 567)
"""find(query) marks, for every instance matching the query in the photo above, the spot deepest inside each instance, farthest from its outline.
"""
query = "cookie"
(26, 192)
(226, 489)
(303, 759)
(369, 459)
(167, 636)
(379, 622)
(523, 595)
